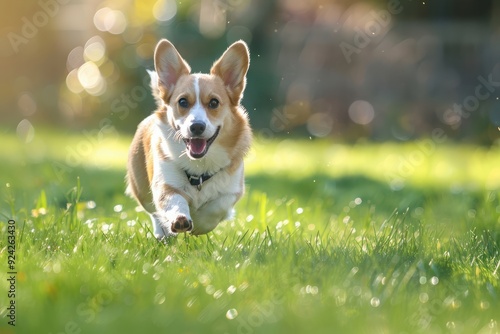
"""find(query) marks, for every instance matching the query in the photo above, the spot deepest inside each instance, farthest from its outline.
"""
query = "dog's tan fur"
(158, 163)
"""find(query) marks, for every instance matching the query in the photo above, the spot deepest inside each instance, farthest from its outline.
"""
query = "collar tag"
(197, 180)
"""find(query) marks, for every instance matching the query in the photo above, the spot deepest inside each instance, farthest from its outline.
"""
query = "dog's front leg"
(208, 216)
(172, 211)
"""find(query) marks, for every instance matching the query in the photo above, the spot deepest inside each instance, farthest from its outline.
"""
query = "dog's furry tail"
(154, 88)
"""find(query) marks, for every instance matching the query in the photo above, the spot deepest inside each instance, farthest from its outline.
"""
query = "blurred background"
(383, 70)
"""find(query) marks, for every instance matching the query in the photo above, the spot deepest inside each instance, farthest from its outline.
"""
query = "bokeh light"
(25, 131)
(73, 83)
(75, 58)
(91, 79)
(298, 62)
(165, 10)
(95, 49)
(320, 124)
(361, 112)
(110, 20)
(26, 104)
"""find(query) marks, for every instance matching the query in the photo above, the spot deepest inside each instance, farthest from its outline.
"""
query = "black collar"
(198, 180)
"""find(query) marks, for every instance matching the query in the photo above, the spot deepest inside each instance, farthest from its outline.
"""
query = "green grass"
(330, 238)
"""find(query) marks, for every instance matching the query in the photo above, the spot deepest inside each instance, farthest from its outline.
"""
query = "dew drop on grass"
(434, 280)
(311, 290)
(423, 280)
(204, 279)
(89, 223)
(210, 289)
(90, 205)
(156, 276)
(299, 211)
(131, 223)
(484, 305)
(159, 298)
(249, 218)
(231, 313)
(375, 302)
(56, 267)
(191, 302)
(217, 294)
(243, 286)
(231, 289)
(118, 208)
(105, 228)
(455, 304)
(354, 271)
(356, 291)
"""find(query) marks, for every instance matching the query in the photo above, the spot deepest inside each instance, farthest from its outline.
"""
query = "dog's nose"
(197, 128)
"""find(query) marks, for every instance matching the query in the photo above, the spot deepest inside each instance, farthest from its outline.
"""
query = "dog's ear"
(155, 90)
(169, 66)
(232, 68)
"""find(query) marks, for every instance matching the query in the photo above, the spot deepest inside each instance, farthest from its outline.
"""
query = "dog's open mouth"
(198, 147)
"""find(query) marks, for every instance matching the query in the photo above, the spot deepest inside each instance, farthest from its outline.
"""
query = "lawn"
(330, 238)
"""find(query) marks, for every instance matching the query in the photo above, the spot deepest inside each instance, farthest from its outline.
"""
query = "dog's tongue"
(197, 145)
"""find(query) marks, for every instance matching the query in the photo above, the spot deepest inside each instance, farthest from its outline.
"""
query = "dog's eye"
(213, 104)
(183, 103)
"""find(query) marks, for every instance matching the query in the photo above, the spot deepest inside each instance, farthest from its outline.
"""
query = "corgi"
(185, 163)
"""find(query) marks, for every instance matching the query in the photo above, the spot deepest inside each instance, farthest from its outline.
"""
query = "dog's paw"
(181, 224)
